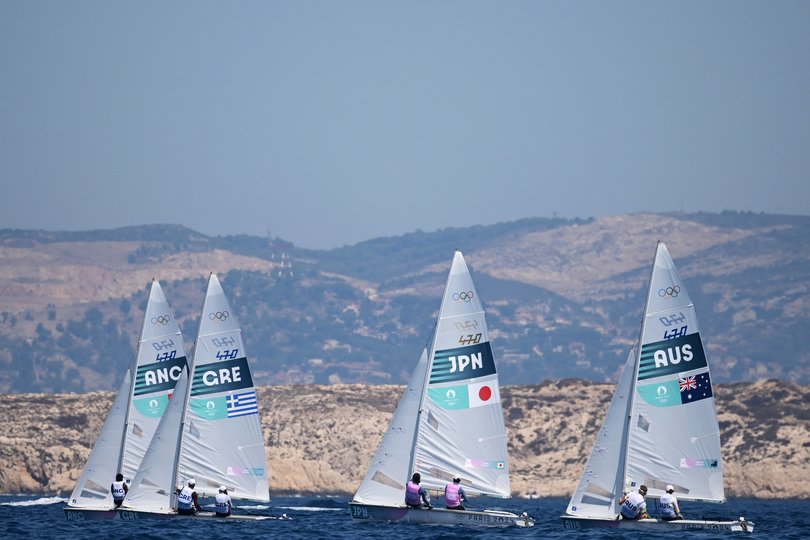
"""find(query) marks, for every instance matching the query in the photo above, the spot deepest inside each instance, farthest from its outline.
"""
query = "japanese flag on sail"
(484, 393)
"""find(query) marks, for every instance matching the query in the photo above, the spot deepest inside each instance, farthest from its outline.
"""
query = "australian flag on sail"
(241, 404)
(695, 387)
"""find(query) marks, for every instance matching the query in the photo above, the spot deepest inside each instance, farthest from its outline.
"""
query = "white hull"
(484, 518)
(130, 514)
(655, 525)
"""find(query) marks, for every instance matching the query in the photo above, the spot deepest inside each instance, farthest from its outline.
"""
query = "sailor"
(187, 503)
(454, 495)
(223, 503)
(414, 492)
(633, 504)
(118, 489)
(670, 511)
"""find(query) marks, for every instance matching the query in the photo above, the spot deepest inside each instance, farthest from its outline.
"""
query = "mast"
(133, 370)
(431, 354)
(187, 393)
(632, 394)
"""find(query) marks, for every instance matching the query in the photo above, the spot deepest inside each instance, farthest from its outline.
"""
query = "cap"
(456, 478)
(223, 488)
(192, 482)
(642, 489)
(669, 489)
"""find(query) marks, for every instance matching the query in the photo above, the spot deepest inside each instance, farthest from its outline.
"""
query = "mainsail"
(449, 422)
(214, 433)
(674, 436)
(661, 427)
(138, 406)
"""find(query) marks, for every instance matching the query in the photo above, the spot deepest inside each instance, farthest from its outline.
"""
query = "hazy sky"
(333, 122)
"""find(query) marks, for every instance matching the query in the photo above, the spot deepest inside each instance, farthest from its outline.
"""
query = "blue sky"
(332, 122)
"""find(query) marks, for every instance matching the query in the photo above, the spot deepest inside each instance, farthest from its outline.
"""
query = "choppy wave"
(36, 502)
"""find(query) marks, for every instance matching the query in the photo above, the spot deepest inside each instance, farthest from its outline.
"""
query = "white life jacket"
(633, 505)
(223, 504)
(185, 499)
(117, 489)
(668, 503)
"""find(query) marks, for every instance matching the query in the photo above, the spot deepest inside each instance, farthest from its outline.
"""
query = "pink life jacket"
(412, 494)
(451, 497)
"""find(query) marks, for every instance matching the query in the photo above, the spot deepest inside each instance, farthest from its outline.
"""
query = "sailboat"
(661, 426)
(212, 433)
(136, 411)
(448, 423)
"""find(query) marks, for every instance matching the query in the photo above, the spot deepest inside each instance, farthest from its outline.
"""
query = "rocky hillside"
(563, 298)
(320, 439)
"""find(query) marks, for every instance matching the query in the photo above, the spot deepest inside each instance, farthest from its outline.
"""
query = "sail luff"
(133, 366)
(431, 354)
(159, 360)
(628, 433)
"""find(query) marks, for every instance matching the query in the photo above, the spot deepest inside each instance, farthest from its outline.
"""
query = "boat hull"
(484, 518)
(656, 525)
(90, 514)
(130, 514)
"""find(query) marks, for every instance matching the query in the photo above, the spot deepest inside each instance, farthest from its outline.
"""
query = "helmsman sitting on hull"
(415, 494)
(187, 503)
(633, 504)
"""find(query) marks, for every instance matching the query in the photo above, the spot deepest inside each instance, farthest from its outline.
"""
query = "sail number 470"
(469, 339)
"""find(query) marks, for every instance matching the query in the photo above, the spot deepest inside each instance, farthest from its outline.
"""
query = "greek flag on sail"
(241, 404)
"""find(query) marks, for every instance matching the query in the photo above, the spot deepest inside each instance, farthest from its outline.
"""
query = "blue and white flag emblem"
(241, 404)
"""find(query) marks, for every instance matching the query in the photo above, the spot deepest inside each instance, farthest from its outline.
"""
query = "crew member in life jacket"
(118, 489)
(670, 511)
(223, 503)
(416, 494)
(187, 502)
(633, 504)
(454, 495)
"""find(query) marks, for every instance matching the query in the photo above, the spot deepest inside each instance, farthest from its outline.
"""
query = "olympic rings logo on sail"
(671, 292)
(463, 296)
(161, 319)
(218, 316)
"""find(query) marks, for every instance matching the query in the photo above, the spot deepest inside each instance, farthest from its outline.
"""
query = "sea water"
(329, 517)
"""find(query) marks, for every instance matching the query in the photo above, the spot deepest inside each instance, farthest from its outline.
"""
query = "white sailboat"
(136, 411)
(448, 423)
(661, 427)
(212, 432)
